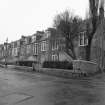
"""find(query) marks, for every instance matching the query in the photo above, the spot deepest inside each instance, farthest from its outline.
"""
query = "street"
(27, 88)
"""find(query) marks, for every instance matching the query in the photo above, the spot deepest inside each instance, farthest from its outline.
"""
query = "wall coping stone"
(85, 61)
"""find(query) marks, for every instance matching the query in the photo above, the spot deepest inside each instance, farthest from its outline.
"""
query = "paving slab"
(14, 98)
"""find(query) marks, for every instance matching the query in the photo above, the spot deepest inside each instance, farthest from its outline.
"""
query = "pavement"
(30, 88)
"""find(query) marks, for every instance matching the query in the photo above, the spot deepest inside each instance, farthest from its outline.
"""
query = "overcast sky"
(25, 17)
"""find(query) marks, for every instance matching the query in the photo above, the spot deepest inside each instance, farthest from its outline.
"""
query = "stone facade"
(86, 67)
(41, 46)
(98, 46)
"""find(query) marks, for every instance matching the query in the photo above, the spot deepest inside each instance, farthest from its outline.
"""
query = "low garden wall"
(50, 71)
(85, 66)
(80, 68)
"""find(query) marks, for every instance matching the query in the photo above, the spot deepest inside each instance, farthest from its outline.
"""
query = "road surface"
(26, 88)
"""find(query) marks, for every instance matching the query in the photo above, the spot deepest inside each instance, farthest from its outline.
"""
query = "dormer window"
(83, 40)
(33, 38)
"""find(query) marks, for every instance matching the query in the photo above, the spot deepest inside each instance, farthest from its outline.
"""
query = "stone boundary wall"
(50, 71)
(85, 66)
(73, 74)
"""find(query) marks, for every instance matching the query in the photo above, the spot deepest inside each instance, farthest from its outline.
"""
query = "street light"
(5, 49)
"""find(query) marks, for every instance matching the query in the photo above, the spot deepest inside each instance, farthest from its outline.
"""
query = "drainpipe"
(102, 65)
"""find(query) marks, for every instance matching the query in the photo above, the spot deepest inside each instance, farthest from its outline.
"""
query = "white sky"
(25, 17)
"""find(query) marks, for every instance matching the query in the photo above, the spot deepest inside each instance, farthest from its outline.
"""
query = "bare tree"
(68, 24)
(94, 6)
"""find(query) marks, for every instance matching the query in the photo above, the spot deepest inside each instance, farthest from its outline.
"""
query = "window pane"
(81, 39)
(54, 57)
(85, 39)
(43, 46)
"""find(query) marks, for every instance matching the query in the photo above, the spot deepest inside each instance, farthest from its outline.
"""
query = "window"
(25, 41)
(23, 50)
(48, 34)
(12, 45)
(55, 45)
(83, 40)
(43, 46)
(55, 57)
(30, 40)
(14, 52)
(35, 48)
(18, 43)
(33, 38)
(28, 49)
(2, 54)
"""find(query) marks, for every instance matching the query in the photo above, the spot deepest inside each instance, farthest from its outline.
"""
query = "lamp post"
(5, 49)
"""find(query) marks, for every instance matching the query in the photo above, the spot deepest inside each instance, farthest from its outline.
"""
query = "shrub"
(58, 64)
(20, 63)
(8, 63)
(25, 63)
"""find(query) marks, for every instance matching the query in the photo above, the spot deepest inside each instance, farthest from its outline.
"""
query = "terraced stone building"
(39, 47)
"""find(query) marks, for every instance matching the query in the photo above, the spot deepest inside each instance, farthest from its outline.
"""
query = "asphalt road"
(24, 88)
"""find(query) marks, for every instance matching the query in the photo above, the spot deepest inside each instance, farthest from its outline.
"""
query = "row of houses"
(50, 45)
(39, 47)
